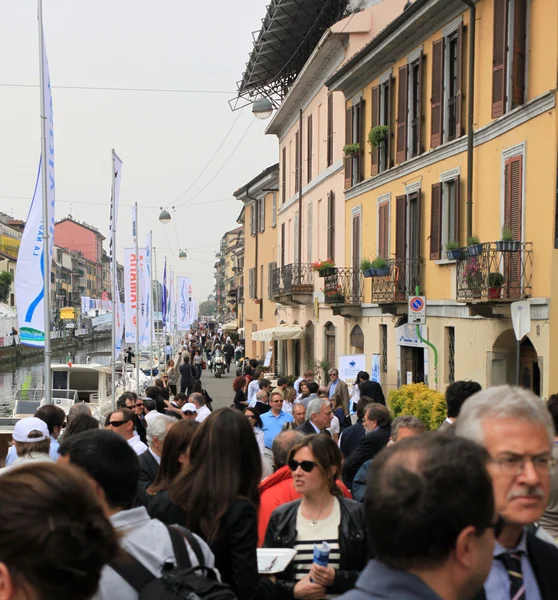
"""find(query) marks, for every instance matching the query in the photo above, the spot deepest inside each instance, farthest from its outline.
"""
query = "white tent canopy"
(232, 326)
(281, 332)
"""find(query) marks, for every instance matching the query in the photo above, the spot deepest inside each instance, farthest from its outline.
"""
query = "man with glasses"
(337, 388)
(121, 421)
(273, 420)
(517, 431)
(431, 521)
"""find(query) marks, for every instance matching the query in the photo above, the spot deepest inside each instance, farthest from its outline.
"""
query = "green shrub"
(419, 400)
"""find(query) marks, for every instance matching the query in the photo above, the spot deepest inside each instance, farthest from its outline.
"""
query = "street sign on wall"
(417, 310)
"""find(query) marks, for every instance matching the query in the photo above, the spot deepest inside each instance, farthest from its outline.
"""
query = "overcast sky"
(164, 139)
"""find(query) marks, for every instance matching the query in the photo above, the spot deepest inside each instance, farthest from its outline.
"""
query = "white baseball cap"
(189, 407)
(25, 426)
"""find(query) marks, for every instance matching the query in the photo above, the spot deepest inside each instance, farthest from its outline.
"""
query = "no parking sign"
(417, 310)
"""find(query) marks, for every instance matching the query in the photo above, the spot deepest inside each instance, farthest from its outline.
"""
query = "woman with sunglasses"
(322, 515)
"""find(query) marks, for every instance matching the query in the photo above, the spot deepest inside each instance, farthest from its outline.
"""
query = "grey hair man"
(406, 426)
(80, 408)
(318, 417)
(203, 411)
(282, 445)
(516, 429)
(150, 460)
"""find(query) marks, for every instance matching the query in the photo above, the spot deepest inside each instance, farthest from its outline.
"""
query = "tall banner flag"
(30, 270)
(182, 302)
(119, 317)
(164, 302)
(145, 292)
(171, 306)
(131, 273)
(190, 304)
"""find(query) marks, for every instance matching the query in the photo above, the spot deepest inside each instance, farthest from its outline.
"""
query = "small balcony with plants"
(293, 284)
(393, 280)
(343, 291)
(494, 271)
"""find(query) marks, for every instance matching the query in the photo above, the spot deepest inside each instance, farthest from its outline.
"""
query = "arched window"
(309, 345)
(357, 340)
(329, 331)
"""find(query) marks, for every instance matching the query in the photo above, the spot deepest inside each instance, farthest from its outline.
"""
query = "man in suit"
(351, 436)
(337, 388)
(151, 459)
(318, 417)
(372, 389)
(428, 541)
(456, 394)
(517, 431)
(377, 423)
(187, 376)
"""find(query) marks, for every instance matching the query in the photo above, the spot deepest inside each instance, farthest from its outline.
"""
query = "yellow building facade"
(259, 197)
(463, 146)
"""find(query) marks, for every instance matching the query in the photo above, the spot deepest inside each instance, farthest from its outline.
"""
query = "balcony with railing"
(397, 281)
(495, 272)
(293, 284)
(343, 291)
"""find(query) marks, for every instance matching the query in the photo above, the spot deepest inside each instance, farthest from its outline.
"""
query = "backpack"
(181, 582)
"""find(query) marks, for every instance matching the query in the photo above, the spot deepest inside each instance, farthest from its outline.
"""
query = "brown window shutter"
(375, 122)
(400, 227)
(390, 90)
(459, 92)
(330, 130)
(297, 160)
(500, 41)
(436, 222)
(457, 181)
(348, 140)
(331, 225)
(437, 99)
(309, 154)
(513, 191)
(519, 51)
(383, 230)
(402, 106)
(284, 175)
(361, 121)
(420, 109)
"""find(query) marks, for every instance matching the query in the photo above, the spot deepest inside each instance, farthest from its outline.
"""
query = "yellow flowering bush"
(419, 400)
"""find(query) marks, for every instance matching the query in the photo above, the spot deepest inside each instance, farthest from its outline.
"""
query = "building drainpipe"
(300, 196)
(256, 208)
(470, 113)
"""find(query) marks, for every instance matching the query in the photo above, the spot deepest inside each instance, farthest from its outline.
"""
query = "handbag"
(203, 365)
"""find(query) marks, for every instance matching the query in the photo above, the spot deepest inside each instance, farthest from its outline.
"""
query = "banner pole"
(138, 293)
(153, 303)
(114, 274)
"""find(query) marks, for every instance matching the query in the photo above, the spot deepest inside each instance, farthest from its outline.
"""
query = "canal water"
(29, 373)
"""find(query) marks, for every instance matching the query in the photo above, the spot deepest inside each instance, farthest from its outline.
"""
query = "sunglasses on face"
(305, 465)
(139, 405)
(251, 417)
(116, 423)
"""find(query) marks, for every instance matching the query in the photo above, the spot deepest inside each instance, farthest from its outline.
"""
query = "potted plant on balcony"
(351, 150)
(507, 243)
(380, 267)
(377, 135)
(453, 251)
(334, 295)
(324, 268)
(474, 247)
(366, 267)
(495, 282)
(473, 276)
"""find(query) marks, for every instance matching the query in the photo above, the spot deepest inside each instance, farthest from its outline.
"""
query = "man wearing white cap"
(190, 411)
(32, 442)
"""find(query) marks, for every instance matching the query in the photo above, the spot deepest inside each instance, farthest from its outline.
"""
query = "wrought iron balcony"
(400, 281)
(344, 287)
(495, 271)
(293, 283)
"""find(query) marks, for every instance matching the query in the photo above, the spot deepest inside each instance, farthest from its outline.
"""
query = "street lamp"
(262, 108)
(182, 255)
(164, 216)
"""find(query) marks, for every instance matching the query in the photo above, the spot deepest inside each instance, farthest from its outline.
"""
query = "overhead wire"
(117, 89)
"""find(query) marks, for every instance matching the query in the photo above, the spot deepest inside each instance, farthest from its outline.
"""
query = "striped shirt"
(316, 532)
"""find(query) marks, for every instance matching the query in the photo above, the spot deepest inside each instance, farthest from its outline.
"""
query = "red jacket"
(278, 489)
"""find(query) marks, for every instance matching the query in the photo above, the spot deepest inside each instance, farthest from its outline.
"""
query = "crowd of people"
(171, 492)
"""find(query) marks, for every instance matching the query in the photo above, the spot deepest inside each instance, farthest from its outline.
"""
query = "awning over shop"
(281, 332)
(232, 326)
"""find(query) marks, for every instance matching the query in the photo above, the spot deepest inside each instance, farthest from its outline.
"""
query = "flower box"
(369, 272)
(510, 246)
(454, 254)
(326, 272)
(474, 250)
(381, 271)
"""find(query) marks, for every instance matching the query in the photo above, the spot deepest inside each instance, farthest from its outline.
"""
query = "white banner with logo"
(349, 367)
(131, 273)
(183, 289)
(29, 275)
(145, 292)
(117, 163)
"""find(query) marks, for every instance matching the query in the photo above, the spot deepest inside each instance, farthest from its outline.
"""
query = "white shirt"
(296, 384)
(157, 458)
(334, 427)
(152, 414)
(203, 413)
(253, 389)
(137, 445)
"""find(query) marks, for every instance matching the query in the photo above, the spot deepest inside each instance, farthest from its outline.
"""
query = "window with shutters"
(251, 290)
(296, 237)
(454, 59)
(358, 138)
(253, 218)
(330, 130)
(297, 161)
(383, 229)
(513, 220)
(444, 216)
(270, 269)
(415, 108)
(402, 110)
(381, 115)
(284, 175)
(309, 234)
(261, 228)
(331, 225)
(274, 210)
(509, 65)
(309, 150)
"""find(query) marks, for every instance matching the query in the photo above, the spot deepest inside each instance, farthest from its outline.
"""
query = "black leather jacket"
(281, 533)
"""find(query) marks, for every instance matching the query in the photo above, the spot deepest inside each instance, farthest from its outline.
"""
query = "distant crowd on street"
(171, 498)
